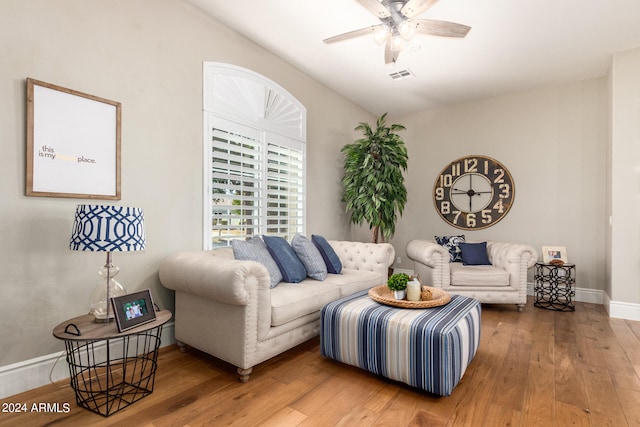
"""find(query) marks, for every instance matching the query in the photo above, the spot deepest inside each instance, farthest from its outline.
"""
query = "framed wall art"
(73, 143)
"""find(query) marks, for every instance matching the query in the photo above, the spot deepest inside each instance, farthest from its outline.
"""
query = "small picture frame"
(554, 254)
(133, 309)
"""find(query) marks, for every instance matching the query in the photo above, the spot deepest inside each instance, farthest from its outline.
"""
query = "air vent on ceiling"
(402, 74)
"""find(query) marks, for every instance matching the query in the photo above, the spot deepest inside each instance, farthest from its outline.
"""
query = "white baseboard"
(591, 296)
(582, 295)
(622, 310)
(22, 376)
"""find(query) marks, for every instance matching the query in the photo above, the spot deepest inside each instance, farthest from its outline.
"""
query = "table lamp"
(107, 229)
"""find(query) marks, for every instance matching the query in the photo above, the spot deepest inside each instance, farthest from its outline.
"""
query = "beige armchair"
(502, 282)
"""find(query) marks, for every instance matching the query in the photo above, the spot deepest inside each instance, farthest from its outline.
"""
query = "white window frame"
(242, 99)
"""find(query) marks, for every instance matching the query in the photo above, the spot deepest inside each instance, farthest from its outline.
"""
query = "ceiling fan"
(398, 25)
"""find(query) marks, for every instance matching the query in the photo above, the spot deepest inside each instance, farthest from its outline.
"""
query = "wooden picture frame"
(73, 143)
(554, 253)
(133, 309)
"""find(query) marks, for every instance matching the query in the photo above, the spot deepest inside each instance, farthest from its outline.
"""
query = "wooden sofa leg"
(520, 307)
(244, 374)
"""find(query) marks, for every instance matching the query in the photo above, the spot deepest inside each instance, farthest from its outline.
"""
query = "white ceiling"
(513, 45)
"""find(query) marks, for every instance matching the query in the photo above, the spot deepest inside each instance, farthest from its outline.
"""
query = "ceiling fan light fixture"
(397, 26)
(397, 42)
(381, 34)
(407, 29)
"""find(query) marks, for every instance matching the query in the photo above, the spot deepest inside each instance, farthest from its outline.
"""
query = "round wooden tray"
(384, 295)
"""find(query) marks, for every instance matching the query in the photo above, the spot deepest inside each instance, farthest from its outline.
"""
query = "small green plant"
(398, 282)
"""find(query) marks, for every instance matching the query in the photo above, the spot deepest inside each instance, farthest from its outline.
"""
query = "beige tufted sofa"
(502, 282)
(225, 307)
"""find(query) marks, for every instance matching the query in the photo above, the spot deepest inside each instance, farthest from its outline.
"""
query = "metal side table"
(554, 286)
(109, 369)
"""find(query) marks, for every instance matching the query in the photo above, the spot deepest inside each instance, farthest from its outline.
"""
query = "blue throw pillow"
(255, 249)
(451, 243)
(283, 254)
(474, 254)
(331, 259)
(310, 257)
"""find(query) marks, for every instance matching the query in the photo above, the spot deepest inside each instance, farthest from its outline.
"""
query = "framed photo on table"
(134, 309)
(554, 254)
(73, 143)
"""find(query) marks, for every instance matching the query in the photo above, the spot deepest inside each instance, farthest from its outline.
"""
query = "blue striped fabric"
(426, 348)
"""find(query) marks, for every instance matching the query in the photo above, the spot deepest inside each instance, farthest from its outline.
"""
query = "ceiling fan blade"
(434, 27)
(353, 34)
(375, 7)
(390, 54)
(416, 7)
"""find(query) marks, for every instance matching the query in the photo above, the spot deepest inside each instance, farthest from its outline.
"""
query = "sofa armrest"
(376, 257)
(502, 254)
(427, 252)
(430, 261)
(219, 278)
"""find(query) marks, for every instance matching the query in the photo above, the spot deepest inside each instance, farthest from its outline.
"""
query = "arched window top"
(243, 95)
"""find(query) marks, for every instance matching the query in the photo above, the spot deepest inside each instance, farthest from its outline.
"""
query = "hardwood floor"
(532, 368)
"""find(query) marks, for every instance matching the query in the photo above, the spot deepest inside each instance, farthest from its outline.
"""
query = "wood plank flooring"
(535, 368)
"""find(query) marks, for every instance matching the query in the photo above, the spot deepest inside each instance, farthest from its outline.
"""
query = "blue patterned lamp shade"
(108, 229)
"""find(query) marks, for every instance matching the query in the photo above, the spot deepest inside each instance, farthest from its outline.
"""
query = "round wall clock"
(473, 192)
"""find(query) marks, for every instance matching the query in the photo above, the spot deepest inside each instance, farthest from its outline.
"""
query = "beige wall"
(148, 55)
(552, 140)
(623, 280)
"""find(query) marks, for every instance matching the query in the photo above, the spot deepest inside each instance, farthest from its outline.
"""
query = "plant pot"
(400, 294)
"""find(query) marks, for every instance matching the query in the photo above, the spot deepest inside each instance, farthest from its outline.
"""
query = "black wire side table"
(110, 370)
(554, 286)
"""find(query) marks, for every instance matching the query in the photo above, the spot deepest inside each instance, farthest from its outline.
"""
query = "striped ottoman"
(425, 348)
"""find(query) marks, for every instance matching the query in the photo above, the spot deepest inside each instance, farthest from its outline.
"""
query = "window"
(255, 157)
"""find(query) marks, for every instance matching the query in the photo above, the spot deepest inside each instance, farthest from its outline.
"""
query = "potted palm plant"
(373, 181)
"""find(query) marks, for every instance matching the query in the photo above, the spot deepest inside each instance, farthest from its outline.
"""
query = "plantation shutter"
(257, 183)
(236, 181)
(285, 187)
